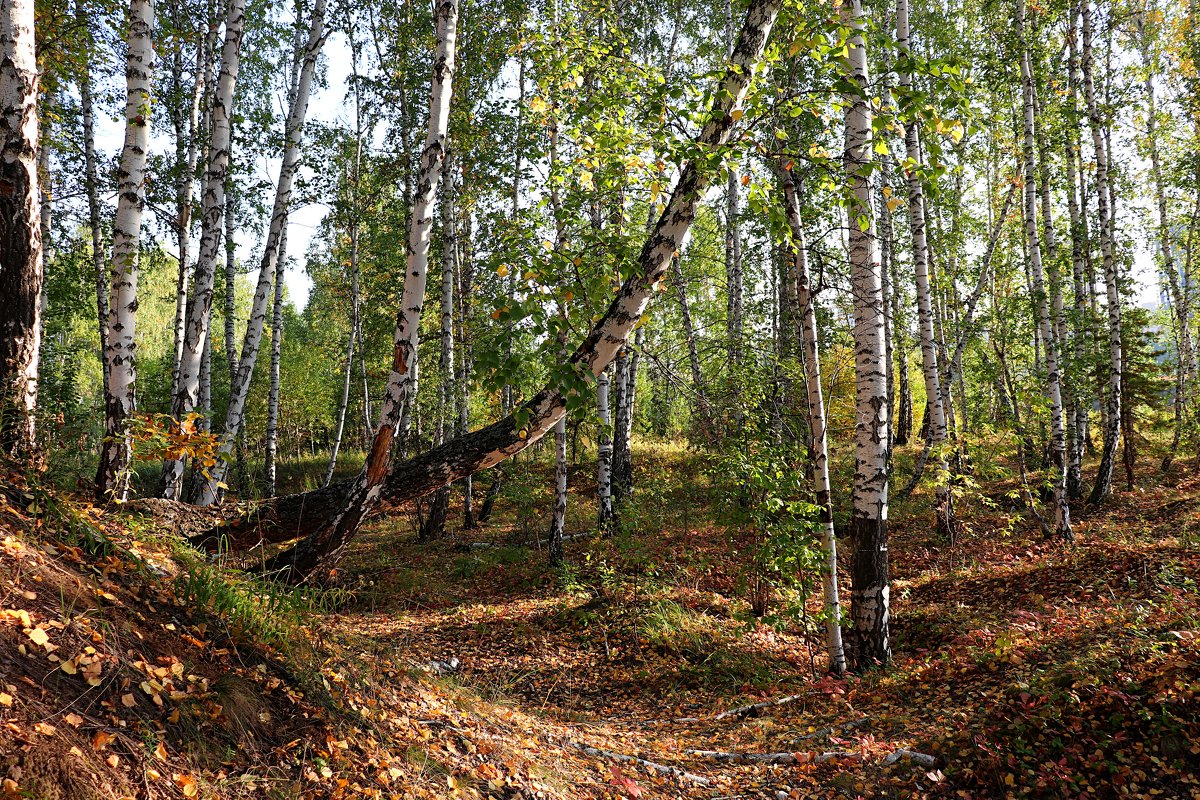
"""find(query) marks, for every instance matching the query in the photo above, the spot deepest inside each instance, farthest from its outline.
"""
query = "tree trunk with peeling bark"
(112, 475)
(402, 382)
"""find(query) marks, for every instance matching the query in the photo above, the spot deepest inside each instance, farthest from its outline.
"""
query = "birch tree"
(870, 638)
(402, 382)
(938, 436)
(1062, 512)
(807, 337)
(196, 340)
(20, 236)
(112, 476)
(294, 134)
(1112, 431)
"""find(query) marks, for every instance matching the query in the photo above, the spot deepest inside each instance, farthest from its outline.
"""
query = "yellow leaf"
(160, 752)
(186, 784)
(39, 636)
(68, 666)
(502, 270)
(73, 719)
(736, 114)
(6, 700)
(745, 180)
(546, 243)
(45, 729)
(568, 296)
(894, 203)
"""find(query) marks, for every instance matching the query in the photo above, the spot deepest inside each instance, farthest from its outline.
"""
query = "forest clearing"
(760, 399)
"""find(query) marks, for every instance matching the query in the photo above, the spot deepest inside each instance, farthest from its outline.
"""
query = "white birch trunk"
(1112, 432)
(196, 340)
(869, 595)
(938, 433)
(355, 309)
(112, 477)
(808, 338)
(604, 513)
(402, 382)
(21, 256)
(269, 462)
(298, 109)
(187, 149)
(1062, 512)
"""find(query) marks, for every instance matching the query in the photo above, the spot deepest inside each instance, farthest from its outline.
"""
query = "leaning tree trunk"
(20, 237)
(808, 338)
(196, 340)
(1112, 431)
(112, 476)
(1062, 512)
(920, 255)
(870, 640)
(491, 445)
(298, 109)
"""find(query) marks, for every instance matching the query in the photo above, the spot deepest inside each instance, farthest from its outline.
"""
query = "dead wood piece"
(781, 759)
(661, 769)
(923, 759)
(745, 711)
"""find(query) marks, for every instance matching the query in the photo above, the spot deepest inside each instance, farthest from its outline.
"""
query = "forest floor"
(466, 667)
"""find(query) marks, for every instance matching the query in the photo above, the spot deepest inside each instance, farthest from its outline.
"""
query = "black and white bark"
(808, 338)
(937, 409)
(1112, 431)
(92, 187)
(294, 134)
(112, 475)
(870, 639)
(272, 434)
(20, 235)
(1041, 300)
(196, 339)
